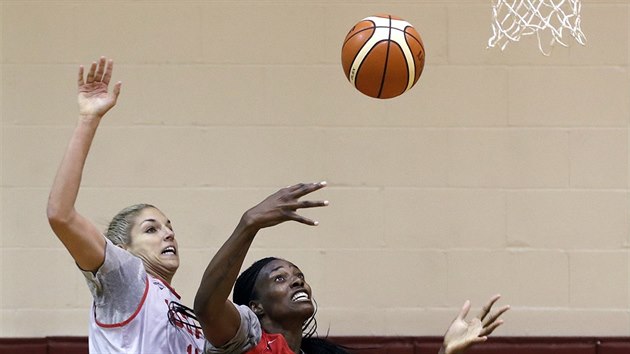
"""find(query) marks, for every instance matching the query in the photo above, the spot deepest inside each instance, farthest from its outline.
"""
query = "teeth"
(169, 249)
(300, 296)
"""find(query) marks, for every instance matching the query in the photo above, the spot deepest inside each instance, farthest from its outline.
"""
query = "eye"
(301, 276)
(151, 230)
(278, 278)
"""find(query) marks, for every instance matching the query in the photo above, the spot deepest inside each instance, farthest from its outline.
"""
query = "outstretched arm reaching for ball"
(82, 239)
(462, 333)
(219, 318)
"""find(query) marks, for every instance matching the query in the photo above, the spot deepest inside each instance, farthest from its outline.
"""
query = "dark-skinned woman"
(272, 309)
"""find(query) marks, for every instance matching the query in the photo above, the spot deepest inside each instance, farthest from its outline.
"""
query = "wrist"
(247, 225)
(89, 119)
(446, 350)
(90, 115)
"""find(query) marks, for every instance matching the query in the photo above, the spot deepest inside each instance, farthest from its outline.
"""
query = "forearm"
(80, 237)
(65, 188)
(222, 271)
(94, 100)
(218, 316)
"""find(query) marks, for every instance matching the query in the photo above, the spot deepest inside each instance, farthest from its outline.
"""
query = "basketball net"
(513, 19)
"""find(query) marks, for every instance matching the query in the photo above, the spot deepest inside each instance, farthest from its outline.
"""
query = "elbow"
(57, 217)
(199, 306)
(205, 309)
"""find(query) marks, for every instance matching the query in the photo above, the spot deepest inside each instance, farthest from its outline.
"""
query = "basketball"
(383, 56)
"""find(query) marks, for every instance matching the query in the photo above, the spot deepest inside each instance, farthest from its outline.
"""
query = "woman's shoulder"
(120, 271)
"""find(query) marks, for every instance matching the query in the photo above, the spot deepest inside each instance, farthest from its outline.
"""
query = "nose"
(170, 235)
(297, 282)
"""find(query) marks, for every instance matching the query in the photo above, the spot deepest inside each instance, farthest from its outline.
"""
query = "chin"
(308, 310)
(172, 266)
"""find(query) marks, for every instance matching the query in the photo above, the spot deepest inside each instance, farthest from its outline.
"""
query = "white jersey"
(134, 312)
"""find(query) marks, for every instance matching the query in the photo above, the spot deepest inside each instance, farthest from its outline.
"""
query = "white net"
(547, 19)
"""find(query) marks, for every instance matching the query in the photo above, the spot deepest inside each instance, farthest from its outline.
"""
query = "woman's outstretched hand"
(283, 205)
(94, 96)
(463, 333)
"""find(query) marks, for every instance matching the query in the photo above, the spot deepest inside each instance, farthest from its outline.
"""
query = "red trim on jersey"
(125, 322)
(167, 285)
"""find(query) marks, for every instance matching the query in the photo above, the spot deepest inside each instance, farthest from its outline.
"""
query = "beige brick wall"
(499, 173)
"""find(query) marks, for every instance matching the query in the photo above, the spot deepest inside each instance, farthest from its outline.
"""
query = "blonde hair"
(119, 229)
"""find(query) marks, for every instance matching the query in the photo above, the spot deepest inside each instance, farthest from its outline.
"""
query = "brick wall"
(498, 173)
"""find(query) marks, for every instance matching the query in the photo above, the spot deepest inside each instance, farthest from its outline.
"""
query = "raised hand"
(94, 96)
(283, 205)
(80, 236)
(464, 333)
(218, 316)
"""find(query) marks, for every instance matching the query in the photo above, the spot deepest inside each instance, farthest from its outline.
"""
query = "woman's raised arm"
(83, 240)
(218, 317)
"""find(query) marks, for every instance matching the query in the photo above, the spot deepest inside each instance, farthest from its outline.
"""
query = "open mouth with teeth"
(300, 296)
(170, 250)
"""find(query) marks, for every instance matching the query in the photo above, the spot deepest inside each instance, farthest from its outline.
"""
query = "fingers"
(490, 320)
(302, 189)
(292, 207)
(80, 81)
(100, 69)
(487, 307)
(117, 90)
(305, 204)
(479, 339)
(91, 73)
(464, 311)
(486, 331)
(108, 71)
(290, 203)
(295, 192)
(495, 316)
(303, 220)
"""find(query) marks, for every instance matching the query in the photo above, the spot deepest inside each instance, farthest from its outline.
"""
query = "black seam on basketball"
(356, 78)
(365, 29)
(389, 40)
(412, 36)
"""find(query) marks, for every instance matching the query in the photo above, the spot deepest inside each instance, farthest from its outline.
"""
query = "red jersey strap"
(271, 344)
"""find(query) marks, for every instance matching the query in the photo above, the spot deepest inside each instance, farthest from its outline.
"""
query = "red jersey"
(271, 344)
(251, 338)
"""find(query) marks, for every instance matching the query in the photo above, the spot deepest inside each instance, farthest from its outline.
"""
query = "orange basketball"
(383, 56)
